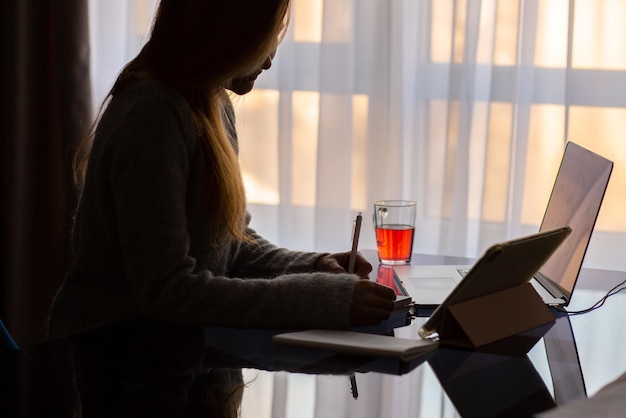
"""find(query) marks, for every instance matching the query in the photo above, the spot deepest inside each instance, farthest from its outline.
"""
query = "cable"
(615, 290)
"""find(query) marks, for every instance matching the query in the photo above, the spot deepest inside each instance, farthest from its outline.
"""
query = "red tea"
(395, 243)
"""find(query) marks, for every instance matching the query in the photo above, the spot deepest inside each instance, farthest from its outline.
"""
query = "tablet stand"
(487, 319)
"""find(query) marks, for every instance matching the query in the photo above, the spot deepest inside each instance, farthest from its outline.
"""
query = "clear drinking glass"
(394, 222)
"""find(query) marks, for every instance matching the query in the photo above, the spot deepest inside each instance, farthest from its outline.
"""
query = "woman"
(161, 231)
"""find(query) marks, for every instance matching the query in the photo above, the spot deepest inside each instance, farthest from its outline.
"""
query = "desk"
(289, 382)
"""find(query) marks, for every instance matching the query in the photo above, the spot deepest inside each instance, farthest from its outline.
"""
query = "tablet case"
(497, 301)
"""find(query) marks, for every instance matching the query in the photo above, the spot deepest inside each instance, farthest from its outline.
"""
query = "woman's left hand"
(338, 263)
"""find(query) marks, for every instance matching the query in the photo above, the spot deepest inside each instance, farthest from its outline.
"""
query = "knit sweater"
(139, 241)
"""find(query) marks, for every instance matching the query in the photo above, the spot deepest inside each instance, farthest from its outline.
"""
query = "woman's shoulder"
(147, 91)
(146, 115)
(151, 102)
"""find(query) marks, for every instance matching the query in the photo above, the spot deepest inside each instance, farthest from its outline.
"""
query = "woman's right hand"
(371, 303)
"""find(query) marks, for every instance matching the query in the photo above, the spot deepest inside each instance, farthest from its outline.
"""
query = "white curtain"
(462, 105)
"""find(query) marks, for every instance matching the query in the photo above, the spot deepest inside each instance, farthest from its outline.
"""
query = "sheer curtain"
(462, 105)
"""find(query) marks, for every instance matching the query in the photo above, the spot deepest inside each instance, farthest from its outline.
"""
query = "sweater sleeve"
(264, 259)
(149, 181)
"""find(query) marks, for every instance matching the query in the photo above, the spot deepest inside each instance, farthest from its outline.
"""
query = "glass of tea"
(394, 221)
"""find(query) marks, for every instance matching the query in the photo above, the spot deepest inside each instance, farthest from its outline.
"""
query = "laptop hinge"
(551, 287)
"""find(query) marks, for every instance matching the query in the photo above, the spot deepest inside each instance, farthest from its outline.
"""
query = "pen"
(351, 264)
(355, 242)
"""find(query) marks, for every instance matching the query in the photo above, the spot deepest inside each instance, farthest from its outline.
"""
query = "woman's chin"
(242, 86)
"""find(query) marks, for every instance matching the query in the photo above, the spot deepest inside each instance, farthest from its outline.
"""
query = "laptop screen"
(575, 201)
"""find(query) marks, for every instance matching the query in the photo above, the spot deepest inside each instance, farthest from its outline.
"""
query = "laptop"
(575, 201)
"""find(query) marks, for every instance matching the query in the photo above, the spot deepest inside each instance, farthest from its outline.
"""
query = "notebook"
(356, 343)
(575, 201)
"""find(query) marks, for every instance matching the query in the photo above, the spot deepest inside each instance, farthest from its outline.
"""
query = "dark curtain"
(45, 99)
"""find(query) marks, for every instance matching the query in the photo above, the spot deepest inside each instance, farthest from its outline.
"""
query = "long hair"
(197, 47)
